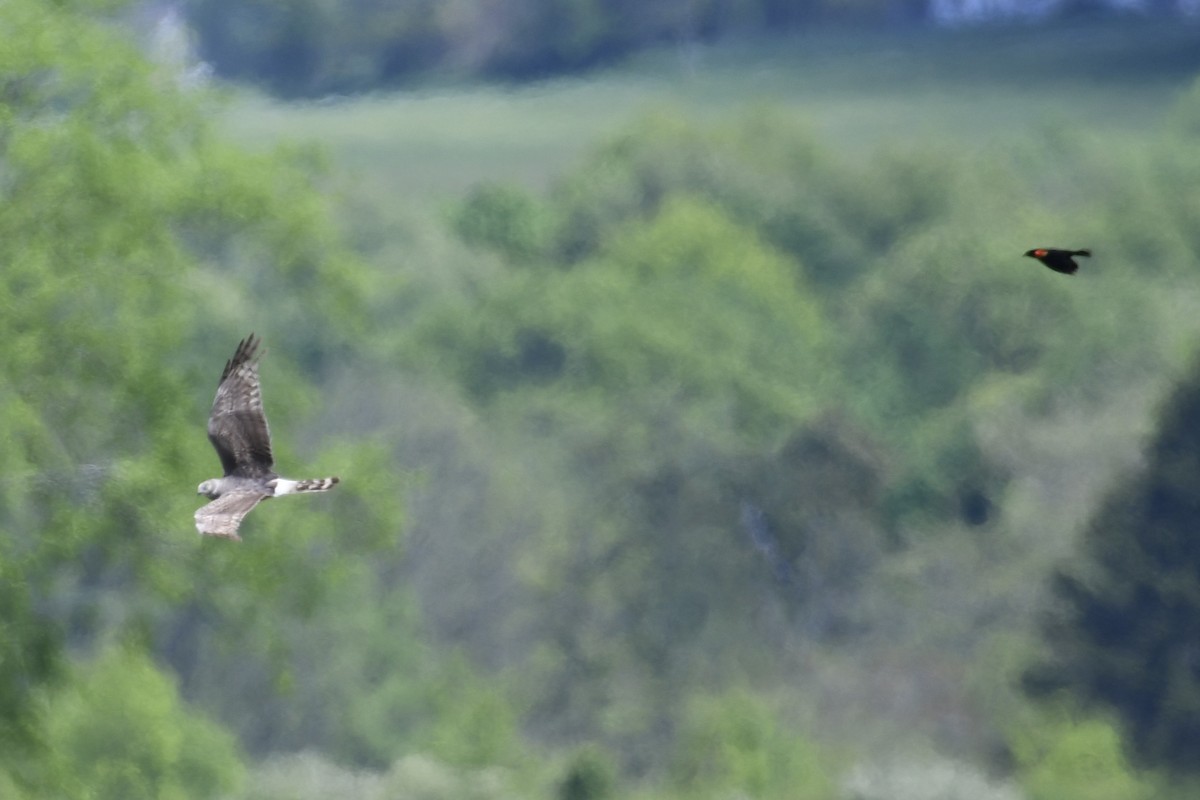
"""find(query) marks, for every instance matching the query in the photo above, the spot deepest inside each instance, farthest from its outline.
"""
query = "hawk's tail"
(284, 486)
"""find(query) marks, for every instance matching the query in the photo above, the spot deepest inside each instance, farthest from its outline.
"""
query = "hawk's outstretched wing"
(222, 516)
(237, 426)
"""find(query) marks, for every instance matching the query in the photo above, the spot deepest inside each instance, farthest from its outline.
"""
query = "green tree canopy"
(121, 732)
(138, 247)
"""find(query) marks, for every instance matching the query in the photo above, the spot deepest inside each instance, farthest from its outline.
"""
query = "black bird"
(1058, 260)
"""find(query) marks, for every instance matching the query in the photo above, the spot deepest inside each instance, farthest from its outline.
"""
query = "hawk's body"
(237, 427)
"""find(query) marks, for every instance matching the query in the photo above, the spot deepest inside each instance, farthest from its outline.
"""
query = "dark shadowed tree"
(1124, 630)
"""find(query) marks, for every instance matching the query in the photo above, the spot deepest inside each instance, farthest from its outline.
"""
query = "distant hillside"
(856, 90)
(312, 48)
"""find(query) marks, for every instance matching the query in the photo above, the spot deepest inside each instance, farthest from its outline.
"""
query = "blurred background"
(703, 433)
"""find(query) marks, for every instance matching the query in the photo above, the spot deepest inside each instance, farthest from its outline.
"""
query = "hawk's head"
(209, 489)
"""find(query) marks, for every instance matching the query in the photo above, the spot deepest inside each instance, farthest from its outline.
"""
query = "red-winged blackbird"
(1058, 260)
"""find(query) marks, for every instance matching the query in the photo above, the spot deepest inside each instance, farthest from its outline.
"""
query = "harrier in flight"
(237, 427)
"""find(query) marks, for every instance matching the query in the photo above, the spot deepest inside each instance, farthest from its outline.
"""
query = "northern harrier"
(237, 427)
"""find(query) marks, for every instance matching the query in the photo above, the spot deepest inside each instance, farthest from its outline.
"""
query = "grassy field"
(856, 90)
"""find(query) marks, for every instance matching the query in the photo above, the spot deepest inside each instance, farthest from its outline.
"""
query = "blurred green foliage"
(502, 218)
(1070, 759)
(734, 744)
(718, 408)
(591, 775)
(121, 732)
(138, 246)
(871, 379)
